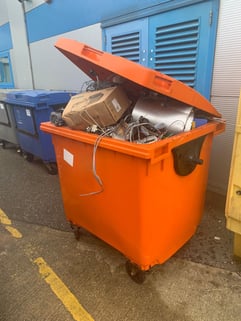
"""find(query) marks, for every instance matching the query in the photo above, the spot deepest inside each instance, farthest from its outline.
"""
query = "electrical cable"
(173, 123)
(96, 176)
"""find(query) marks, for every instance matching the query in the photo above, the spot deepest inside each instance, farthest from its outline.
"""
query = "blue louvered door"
(179, 43)
(174, 49)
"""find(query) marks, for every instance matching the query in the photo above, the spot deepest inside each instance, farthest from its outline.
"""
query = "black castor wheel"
(3, 144)
(52, 168)
(28, 156)
(77, 231)
(135, 273)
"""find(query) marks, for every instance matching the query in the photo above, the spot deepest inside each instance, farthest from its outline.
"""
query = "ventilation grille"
(127, 46)
(176, 48)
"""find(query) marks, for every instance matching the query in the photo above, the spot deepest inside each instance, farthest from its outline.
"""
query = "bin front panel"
(31, 138)
(40, 147)
(146, 211)
(24, 118)
(7, 124)
(4, 118)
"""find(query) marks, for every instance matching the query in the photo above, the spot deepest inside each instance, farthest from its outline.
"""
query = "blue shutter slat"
(176, 47)
(176, 54)
(182, 61)
(175, 67)
(178, 42)
(131, 36)
(126, 45)
(181, 27)
(188, 33)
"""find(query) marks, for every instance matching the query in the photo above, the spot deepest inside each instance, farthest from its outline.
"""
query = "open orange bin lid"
(134, 77)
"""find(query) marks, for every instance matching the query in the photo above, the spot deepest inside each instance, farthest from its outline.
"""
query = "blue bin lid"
(38, 98)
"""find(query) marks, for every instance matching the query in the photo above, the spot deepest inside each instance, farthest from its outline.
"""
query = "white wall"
(3, 12)
(20, 57)
(225, 89)
(52, 70)
(29, 5)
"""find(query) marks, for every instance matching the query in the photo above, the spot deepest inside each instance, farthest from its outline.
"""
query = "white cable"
(96, 176)
(173, 123)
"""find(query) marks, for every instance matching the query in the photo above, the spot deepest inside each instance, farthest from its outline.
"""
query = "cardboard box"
(102, 107)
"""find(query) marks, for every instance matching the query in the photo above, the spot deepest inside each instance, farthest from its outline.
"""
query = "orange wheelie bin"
(145, 200)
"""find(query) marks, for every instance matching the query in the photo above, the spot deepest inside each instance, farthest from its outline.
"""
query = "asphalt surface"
(202, 281)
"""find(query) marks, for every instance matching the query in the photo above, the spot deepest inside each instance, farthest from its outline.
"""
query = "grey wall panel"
(222, 145)
(227, 66)
(52, 70)
(225, 89)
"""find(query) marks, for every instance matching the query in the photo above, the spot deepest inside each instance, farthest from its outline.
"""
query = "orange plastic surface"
(146, 210)
(134, 76)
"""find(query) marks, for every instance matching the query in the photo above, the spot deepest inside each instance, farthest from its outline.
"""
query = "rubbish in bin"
(140, 131)
(174, 116)
(151, 118)
(153, 194)
(56, 117)
(102, 108)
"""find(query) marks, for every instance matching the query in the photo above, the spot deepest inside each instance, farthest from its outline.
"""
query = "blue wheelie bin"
(30, 108)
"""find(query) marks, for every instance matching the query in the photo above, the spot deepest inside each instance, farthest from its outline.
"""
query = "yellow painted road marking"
(15, 233)
(62, 292)
(4, 219)
(58, 287)
(7, 224)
